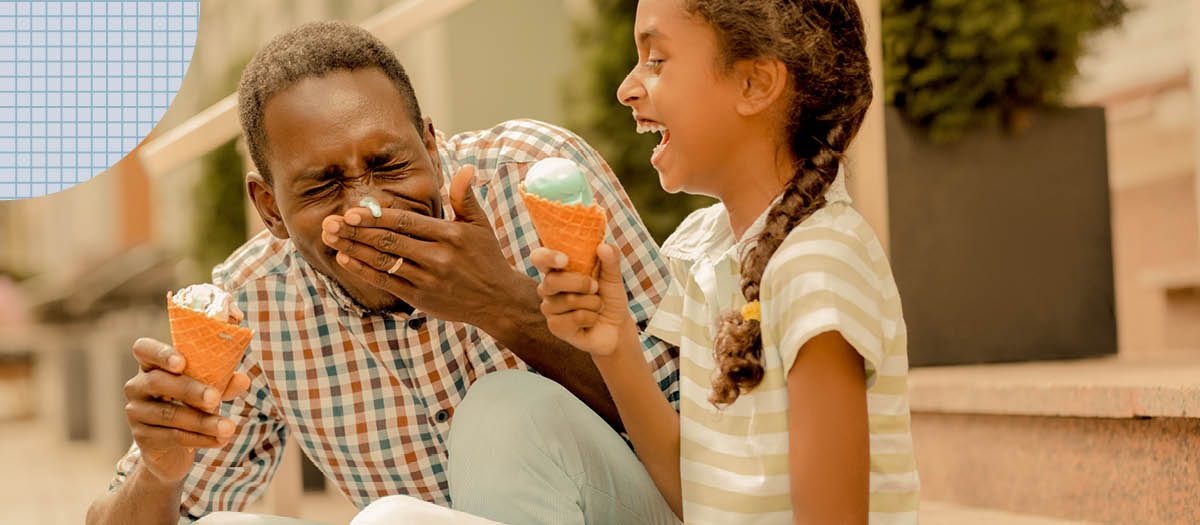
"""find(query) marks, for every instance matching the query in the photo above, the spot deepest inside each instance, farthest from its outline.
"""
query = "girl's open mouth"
(649, 126)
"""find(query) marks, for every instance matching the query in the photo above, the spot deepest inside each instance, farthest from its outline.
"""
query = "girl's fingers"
(547, 260)
(238, 385)
(569, 325)
(584, 318)
(565, 302)
(557, 282)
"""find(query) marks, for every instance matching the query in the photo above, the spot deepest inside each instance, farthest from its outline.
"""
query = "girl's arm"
(829, 443)
(651, 423)
(593, 315)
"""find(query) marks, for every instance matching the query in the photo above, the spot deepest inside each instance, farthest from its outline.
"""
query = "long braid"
(739, 341)
(823, 44)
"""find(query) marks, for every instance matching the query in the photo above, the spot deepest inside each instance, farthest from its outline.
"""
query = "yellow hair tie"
(751, 312)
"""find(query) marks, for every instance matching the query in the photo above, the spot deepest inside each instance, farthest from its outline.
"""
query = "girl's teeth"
(650, 128)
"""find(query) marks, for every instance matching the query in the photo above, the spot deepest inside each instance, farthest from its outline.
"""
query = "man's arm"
(174, 444)
(142, 499)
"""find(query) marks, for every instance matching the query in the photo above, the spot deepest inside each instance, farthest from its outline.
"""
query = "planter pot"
(1002, 244)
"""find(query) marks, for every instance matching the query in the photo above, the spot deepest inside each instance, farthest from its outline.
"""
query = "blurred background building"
(1105, 438)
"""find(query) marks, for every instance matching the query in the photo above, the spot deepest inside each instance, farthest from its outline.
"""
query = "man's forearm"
(140, 500)
(522, 329)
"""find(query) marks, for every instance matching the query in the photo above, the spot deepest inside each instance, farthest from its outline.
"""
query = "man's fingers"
(545, 260)
(379, 260)
(183, 417)
(562, 303)
(462, 198)
(151, 437)
(409, 223)
(237, 386)
(567, 282)
(379, 239)
(395, 284)
(152, 353)
(158, 384)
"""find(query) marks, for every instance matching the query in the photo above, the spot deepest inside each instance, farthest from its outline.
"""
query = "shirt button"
(443, 415)
(416, 322)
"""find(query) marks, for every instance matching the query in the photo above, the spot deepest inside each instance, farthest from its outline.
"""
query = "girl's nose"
(631, 89)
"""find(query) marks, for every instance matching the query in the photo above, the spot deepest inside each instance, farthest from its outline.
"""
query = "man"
(370, 330)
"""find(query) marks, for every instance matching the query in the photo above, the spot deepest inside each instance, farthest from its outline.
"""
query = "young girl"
(792, 344)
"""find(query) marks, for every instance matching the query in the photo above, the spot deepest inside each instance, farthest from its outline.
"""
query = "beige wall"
(868, 180)
(507, 60)
(1142, 73)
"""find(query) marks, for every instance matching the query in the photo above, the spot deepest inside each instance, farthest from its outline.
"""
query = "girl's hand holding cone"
(588, 313)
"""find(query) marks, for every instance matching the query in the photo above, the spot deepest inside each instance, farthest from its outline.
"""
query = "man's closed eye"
(319, 191)
(392, 171)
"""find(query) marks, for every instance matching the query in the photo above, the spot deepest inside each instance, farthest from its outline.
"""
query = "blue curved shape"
(82, 83)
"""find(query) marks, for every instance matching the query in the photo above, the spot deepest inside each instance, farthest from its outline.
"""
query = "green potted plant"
(998, 195)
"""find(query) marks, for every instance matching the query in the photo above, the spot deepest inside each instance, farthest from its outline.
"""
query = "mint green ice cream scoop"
(558, 179)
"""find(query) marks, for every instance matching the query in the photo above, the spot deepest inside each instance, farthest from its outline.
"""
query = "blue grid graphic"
(82, 83)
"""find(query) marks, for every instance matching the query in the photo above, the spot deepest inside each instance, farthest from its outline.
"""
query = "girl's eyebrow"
(647, 35)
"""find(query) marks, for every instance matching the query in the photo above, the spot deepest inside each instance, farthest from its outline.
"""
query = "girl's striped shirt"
(830, 274)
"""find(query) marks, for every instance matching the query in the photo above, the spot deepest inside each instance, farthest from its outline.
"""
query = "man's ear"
(263, 197)
(762, 82)
(429, 138)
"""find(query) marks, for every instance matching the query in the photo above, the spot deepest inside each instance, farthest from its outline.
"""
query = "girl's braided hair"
(823, 45)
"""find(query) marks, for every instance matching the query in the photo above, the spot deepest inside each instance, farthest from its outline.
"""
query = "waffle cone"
(573, 229)
(212, 348)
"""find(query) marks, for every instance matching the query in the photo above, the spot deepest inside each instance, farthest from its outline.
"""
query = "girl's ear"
(762, 81)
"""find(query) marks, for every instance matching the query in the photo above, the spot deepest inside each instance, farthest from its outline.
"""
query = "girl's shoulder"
(835, 236)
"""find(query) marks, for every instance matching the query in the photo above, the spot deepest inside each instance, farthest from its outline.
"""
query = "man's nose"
(358, 192)
(631, 89)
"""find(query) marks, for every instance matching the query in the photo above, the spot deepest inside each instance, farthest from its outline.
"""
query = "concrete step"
(1108, 440)
(942, 513)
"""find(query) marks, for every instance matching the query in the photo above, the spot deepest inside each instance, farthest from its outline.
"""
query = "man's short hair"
(311, 50)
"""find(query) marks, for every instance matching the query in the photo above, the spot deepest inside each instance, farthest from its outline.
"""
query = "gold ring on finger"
(395, 267)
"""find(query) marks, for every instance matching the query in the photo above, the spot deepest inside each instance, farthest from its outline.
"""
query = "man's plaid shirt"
(370, 397)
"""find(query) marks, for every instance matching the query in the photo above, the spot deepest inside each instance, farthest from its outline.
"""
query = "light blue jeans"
(524, 450)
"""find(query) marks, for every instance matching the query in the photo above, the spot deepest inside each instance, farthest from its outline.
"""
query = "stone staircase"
(1180, 286)
(1108, 440)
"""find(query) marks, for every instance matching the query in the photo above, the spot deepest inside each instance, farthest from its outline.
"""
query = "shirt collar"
(328, 288)
(718, 242)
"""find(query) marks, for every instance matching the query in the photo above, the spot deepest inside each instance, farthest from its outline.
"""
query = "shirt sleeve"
(643, 268)
(816, 285)
(231, 477)
(667, 323)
